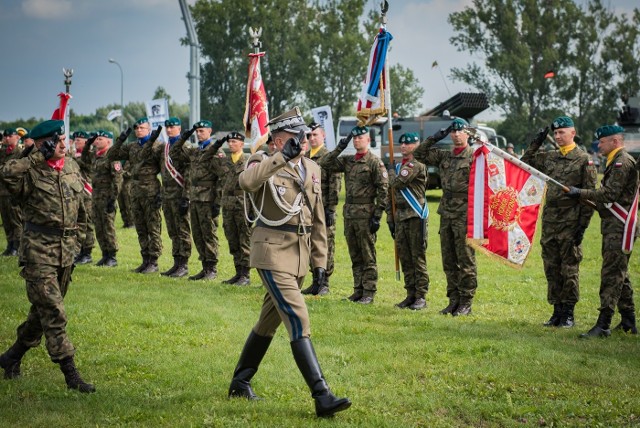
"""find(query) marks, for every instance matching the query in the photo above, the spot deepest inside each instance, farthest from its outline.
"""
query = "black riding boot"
(10, 360)
(601, 329)
(555, 317)
(254, 349)
(566, 319)
(628, 322)
(327, 404)
(72, 377)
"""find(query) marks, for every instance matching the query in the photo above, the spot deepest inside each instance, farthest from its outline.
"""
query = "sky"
(39, 38)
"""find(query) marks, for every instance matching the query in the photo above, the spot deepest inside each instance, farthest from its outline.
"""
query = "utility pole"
(194, 69)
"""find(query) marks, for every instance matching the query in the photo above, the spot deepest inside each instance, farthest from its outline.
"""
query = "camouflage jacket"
(170, 187)
(145, 165)
(619, 184)
(454, 177)
(204, 169)
(574, 169)
(331, 182)
(366, 183)
(412, 176)
(232, 193)
(50, 201)
(4, 158)
(106, 175)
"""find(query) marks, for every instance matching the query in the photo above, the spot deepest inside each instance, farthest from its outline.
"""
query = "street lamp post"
(113, 61)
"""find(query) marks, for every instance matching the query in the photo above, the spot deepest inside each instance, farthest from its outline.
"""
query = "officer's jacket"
(50, 201)
(203, 170)
(282, 250)
(170, 187)
(619, 184)
(331, 182)
(412, 176)
(454, 176)
(106, 175)
(366, 183)
(4, 158)
(575, 169)
(145, 165)
(232, 193)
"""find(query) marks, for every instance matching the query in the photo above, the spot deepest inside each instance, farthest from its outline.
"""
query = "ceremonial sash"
(630, 220)
(407, 194)
(87, 187)
(169, 165)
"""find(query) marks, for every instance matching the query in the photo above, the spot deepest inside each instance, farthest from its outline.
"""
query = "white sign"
(323, 116)
(113, 114)
(157, 113)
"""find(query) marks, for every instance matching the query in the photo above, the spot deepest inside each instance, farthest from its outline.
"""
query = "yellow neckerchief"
(612, 154)
(566, 149)
(235, 157)
(315, 151)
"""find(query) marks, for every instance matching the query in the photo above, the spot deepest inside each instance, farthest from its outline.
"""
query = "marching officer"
(289, 232)
(50, 190)
(458, 259)
(10, 212)
(366, 184)
(409, 226)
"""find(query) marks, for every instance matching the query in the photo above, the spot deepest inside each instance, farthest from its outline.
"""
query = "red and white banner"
(504, 203)
(256, 114)
(60, 112)
(630, 221)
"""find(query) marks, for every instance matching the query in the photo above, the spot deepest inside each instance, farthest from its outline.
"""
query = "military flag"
(256, 115)
(504, 203)
(60, 112)
(374, 100)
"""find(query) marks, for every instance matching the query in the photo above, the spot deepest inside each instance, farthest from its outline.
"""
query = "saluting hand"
(293, 146)
(344, 142)
(48, 147)
(155, 134)
(540, 137)
(187, 134)
(123, 136)
(220, 142)
(92, 140)
(441, 134)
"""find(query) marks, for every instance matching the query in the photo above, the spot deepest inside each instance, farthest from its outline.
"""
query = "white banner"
(323, 116)
(157, 113)
(114, 114)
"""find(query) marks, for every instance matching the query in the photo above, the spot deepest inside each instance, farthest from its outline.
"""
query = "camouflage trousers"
(411, 238)
(205, 231)
(104, 224)
(238, 233)
(561, 259)
(148, 221)
(124, 202)
(615, 285)
(178, 228)
(11, 213)
(458, 259)
(331, 249)
(46, 287)
(362, 251)
(86, 237)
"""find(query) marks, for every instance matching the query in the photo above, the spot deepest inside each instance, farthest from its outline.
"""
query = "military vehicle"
(629, 119)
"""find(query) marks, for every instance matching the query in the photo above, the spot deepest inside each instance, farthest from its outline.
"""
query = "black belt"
(63, 233)
(300, 229)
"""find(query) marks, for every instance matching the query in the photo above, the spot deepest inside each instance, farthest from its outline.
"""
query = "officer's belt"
(454, 195)
(351, 200)
(202, 183)
(64, 233)
(562, 203)
(145, 177)
(300, 229)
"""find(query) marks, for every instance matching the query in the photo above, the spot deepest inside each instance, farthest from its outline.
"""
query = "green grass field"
(161, 351)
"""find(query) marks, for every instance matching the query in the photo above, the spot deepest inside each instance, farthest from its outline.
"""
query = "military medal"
(281, 191)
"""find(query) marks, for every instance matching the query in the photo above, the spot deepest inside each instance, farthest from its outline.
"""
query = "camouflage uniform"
(145, 158)
(366, 184)
(410, 230)
(86, 230)
(124, 196)
(458, 259)
(10, 210)
(236, 227)
(562, 220)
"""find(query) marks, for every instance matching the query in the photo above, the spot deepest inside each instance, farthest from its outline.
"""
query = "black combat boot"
(12, 249)
(566, 318)
(464, 308)
(419, 304)
(254, 349)
(200, 274)
(408, 301)
(152, 265)
(244, 278)
(103, 259)
(601, 329)
(182, 269)
(172, 269)
(628, 322)
(110, 260)
(15, 246)
(210, 271)
(357, 295)
(143, 265)
(72, 377)
(84, 257)
(234, 278)
(451, 308)
(10, 360)
(327, 404)
(555, 316)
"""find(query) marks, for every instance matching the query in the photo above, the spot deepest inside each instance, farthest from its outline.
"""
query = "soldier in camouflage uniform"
(564, 220)
(86, 230)
(366, 184)
(409, 227)
(50, 190)
(107, 181)
(124, 197)
(617, 203)
(236, 227)
(175, 202)
(9, 210)
(146, 198)
(458, 259)
(204, 193)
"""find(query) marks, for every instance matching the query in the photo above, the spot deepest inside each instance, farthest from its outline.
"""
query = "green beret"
(203, 124)
(459, 123)
(359, 130)
(173, 121)
(80, 134)
(562, 122)
(235, 135)
(26, 136)
(10, 131)
(141, 121)
(607, 130)
(409, 138)
(103, 133)
(47, 129)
